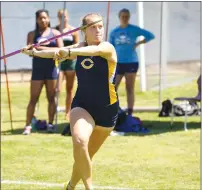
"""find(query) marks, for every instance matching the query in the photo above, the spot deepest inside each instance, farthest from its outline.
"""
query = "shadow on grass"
(155, 127)
(19, 131)
(160, 127)
(14, 121)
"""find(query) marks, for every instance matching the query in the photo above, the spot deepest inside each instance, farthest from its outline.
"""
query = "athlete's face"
(94, 33)
(43, 20)
(124, 18)
(60, 15)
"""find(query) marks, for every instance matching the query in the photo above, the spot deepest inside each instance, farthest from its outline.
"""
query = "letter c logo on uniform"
(87, 66)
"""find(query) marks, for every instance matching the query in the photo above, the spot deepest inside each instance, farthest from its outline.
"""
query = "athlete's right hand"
(28, 50)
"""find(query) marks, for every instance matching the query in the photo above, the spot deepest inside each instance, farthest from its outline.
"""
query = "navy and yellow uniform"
(43, 68)
(67, 65)
(96, 89)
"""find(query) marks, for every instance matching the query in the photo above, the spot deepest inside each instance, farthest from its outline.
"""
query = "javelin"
(53, 38)
(5, 67)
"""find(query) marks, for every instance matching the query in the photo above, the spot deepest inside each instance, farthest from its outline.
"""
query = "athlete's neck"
(66, 25)
(41, 30)
(123, 25)
(92, 43)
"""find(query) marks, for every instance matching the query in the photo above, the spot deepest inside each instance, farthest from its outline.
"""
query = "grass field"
(163, 159)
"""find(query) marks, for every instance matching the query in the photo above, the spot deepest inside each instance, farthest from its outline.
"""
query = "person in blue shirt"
(124, 39)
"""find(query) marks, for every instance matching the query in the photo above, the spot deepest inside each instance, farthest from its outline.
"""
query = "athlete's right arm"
(47, 53)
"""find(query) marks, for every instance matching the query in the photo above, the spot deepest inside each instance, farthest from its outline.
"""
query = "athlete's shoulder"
(107, 45)
(31, 32)
(55, 31)
(133, 27)
(71, 27)
(109, 51)
(57, 27)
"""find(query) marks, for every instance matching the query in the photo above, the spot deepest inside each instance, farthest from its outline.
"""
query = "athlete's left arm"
(49, 53)
(104, 49)
(148, 36)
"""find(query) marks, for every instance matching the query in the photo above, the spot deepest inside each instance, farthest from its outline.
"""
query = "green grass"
(163, 159)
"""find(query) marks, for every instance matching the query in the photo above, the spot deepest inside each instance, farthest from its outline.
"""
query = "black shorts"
(105, 116)
(123, 68)
(44, 73)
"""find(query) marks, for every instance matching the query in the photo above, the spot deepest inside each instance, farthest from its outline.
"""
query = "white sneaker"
(27, 130)
(60, 109)
(116, 133)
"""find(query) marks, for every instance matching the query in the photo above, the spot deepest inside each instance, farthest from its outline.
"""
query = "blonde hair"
(85, 20)
(62, 11)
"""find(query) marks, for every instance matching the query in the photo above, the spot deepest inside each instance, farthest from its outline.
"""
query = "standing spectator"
(124, 39)
(67, 67)
(44, 71)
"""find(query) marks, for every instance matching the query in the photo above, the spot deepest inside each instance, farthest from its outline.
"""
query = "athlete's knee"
(130, 89)
(80, 142)
(80, 139)
(80, 145)
(51, 99)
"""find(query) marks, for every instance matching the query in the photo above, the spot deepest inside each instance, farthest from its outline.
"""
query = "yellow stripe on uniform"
(111, 75)
(56, 62)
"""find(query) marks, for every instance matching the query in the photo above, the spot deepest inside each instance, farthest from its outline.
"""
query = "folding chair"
(195, 99)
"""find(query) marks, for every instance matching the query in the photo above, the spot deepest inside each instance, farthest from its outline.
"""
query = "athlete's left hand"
(63, 53)
(139, 43)
(58, 57)
(136, 45)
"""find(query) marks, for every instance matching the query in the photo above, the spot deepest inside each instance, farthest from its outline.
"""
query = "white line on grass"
(57, 184)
